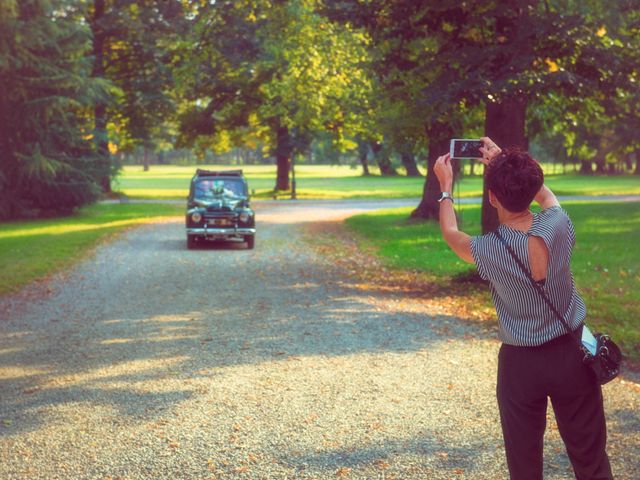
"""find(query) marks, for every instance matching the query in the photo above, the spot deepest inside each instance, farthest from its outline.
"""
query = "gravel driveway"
(150, 361)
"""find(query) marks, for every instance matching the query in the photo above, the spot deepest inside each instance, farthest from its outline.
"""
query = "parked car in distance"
(218, 208)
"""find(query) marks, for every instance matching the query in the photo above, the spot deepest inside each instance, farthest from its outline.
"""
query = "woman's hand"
(444, 172)
(489, 150)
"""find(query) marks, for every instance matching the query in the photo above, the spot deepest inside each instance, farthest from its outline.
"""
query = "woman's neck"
(516, 221)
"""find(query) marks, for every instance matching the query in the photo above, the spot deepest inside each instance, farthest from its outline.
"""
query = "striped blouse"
(524, 318)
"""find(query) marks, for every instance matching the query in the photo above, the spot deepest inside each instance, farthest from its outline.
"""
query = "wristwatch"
(444, 196)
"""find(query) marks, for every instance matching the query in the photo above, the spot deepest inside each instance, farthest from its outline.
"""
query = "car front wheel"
(191, 242)
(251, 241)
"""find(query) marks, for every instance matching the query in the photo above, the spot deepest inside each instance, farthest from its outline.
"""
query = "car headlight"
(196, 217)
(244, 217)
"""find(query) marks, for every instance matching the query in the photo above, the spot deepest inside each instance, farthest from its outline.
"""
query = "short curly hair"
(515, 178)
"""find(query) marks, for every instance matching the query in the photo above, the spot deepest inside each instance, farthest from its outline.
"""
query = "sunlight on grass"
(157, 193)
(312, 182)
(70, 228)
(36, 248)
(250, 171)
(343, 181)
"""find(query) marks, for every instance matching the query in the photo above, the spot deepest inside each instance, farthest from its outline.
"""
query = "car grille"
(220, 219)
(219, 208)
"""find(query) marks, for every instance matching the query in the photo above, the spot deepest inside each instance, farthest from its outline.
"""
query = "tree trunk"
(100, 111)
(294, 195)
(145, 159)
(284, 148)
(600, 159)
(363, 151)
(505, 125)
(439, 135)
(381, 154)
(409, 162)
(586, 167)
(637, 170)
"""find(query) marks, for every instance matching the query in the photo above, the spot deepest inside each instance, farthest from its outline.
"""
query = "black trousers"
(526, 377)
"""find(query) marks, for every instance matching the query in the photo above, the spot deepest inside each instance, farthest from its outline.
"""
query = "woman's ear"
(493, 200)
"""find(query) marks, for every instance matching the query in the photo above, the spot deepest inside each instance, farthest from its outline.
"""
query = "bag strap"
(539, 289)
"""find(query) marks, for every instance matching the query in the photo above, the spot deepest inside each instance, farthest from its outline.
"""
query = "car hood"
(220, 202)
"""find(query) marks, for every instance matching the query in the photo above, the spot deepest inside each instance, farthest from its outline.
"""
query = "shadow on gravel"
(129, 331)
(179, 245)
(218, 245)
(447, 460)
(273, 317)
(628, 420)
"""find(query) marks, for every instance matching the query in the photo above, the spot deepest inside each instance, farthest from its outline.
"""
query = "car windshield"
(210, 187)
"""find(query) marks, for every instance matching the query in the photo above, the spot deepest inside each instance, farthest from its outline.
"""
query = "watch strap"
(444, 196)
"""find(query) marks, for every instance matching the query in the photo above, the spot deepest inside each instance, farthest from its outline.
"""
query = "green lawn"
(606, 260)
(34, 249)
(334, 182)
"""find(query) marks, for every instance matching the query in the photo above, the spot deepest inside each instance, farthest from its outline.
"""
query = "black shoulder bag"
(605, 363)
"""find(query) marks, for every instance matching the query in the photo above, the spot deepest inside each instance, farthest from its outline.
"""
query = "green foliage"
(217, 72)
(137, 45)
(443, 59)
(442, 65)
(46, 158)
(279, 72)
(318, 68)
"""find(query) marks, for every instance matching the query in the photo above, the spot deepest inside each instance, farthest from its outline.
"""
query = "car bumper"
(221, 232)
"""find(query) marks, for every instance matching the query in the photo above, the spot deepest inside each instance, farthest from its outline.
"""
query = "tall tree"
(133, 48)
(502, 56)
(217, 72)
(404, 52)
(279, 63)
(97, 20)
(510, 55)
(47, 160)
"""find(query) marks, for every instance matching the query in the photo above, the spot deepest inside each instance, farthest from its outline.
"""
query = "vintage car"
(218, 208)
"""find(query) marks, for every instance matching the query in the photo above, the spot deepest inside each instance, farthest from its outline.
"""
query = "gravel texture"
(150, 361)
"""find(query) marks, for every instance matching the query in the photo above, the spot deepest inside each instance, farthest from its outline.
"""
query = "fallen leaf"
(343, 472)
(381, 464)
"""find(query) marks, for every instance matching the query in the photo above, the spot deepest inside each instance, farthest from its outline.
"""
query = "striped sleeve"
(572, 232)
(478, 258)
(553, 220)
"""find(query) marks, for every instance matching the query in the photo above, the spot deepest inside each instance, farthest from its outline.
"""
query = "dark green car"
(218, 208)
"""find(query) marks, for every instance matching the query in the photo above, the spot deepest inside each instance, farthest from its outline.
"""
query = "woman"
(538, 357)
